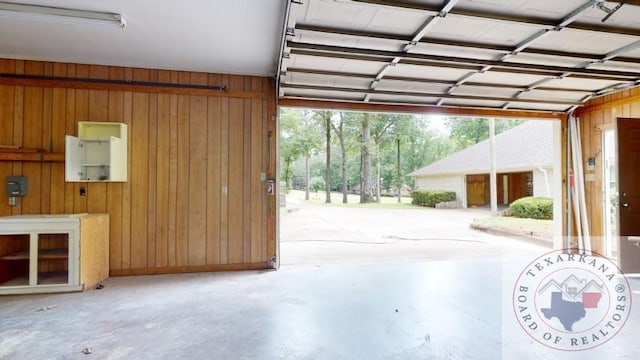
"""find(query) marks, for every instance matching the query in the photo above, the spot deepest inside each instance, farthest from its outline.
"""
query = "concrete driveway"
(316, 234)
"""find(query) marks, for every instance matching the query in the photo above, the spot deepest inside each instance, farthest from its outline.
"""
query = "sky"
(437, 123)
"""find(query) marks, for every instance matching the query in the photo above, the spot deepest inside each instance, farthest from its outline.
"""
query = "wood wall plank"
(197, 181)
(182, 204)
(18, 124)
(125, 256)
(195, 196)
(98, 110)
(70, 129)
(32, 138)
(272, 136)
(6, 125)
(256, 184)
(162, 179)
(152, 161)
(139, 179)
(248, 179)
(235, 196)
(58, 131)
(46, 143)
(173, 182)
(634, 108)
(265, 166)
(81, 114)
(213, 181)
(114, 192)
(224, 181)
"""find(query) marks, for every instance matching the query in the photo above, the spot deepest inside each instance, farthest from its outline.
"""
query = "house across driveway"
(317, 234)
(524, 165)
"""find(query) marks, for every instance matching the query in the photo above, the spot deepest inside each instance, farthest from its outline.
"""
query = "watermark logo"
(569, 301)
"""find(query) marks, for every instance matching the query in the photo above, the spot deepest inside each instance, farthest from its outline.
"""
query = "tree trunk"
(328, 168)
(399, 181)
(344, 173)
(378, 173)
(306, 177)
(365, 190)
(339, 130)
(287, 172)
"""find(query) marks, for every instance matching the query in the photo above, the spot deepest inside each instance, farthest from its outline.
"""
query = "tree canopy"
(307, 134)
(469, 131)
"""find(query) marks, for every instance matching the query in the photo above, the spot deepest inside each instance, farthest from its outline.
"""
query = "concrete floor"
(372, 290)
(455, 309)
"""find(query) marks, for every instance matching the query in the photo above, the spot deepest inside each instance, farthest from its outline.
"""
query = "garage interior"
(199, 85)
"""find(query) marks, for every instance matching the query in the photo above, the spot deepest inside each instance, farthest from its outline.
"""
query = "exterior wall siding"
(449, 183)
(542, 182)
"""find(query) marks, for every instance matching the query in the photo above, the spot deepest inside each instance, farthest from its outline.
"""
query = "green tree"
(324, 118)
(299, 137)
(317, 183)
(338, 128)
(468, 131)
(366, 193)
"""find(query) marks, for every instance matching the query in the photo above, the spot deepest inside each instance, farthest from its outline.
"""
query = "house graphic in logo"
(570, 299)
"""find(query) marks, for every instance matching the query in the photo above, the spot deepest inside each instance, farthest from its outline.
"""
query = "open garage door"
(314, 232)
(458, 56)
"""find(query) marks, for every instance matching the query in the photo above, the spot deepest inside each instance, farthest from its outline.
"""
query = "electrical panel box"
(16, 186)
(98, 153)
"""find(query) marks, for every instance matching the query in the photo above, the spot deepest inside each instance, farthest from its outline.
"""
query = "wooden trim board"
(189, 269)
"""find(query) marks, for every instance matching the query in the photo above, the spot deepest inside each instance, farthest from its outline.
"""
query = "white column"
(557, 186)
(492, 158)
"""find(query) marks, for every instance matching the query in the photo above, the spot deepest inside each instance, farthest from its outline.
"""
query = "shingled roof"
(523, 147)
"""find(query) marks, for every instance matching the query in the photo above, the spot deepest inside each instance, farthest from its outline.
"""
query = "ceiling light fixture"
(48, 13)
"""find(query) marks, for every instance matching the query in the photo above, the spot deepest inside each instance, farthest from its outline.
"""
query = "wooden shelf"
(44, 254)
(44, 278)
(96, 140)
(10, 154)
(53, 277)
(17, 281)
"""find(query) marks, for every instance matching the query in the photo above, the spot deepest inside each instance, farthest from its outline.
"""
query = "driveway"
(316, 234)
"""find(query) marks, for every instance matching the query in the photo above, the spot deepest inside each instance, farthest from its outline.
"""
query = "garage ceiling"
(236, 37)
(544, 55)
(541, 55)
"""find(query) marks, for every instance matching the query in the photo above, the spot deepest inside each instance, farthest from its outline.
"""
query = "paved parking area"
(316, 234)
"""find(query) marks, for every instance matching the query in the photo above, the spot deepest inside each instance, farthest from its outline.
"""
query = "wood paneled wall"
(195, 199)
(599, 111)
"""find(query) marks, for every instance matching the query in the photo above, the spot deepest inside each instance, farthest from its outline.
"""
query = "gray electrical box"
(16, 186)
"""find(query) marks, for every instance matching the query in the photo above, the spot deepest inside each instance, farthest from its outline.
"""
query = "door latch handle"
(625, 205)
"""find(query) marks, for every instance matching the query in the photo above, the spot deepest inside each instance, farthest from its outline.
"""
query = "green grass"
(529, 227)
(353, 200)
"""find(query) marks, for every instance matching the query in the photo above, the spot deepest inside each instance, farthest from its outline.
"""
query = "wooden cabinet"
(53, 253)
(98, 153)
